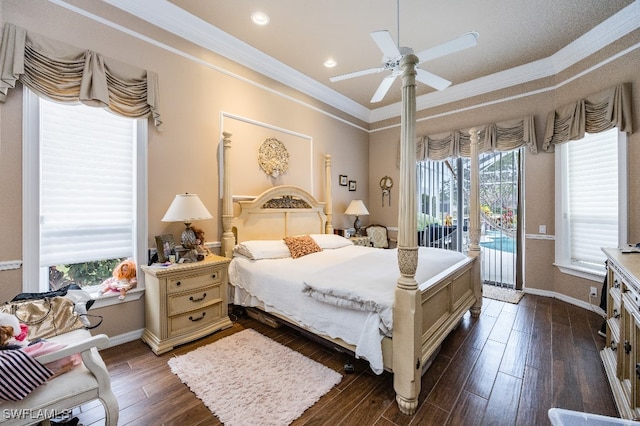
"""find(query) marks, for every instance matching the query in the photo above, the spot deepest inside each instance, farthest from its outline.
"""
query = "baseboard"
(125, 338)
(565, 298)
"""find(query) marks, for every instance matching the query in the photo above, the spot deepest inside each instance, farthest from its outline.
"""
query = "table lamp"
(356, 208)
(187, 208)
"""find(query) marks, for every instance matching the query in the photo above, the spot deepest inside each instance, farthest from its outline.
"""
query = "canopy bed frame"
(423, 313)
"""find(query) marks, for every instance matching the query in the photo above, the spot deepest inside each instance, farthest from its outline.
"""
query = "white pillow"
(263, 249)
(331, 241)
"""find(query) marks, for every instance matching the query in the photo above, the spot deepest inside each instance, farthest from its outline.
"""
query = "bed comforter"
(344, 293)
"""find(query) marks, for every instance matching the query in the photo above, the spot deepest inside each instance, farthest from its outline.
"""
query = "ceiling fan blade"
(463, 42)
(432, 80)
(355, 74)
(385, 43)
(383, 88)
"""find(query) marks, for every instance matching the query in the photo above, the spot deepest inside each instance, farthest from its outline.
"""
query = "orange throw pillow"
(301, 246)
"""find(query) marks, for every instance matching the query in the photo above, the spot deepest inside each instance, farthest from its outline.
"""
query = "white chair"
(379, 236)
(82, 384)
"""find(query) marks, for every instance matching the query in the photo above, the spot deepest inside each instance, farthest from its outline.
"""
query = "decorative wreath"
(273, 157)
(386, 183)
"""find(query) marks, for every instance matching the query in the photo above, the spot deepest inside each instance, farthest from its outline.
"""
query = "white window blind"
(592, 188)
(87, 184)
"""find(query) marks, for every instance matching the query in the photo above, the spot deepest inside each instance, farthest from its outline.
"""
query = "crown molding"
(169, 17)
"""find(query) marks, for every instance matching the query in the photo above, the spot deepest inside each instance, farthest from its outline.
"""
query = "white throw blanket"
(368, 282)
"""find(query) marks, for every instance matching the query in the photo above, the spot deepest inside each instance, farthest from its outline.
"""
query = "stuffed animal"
(200, 247)
(123, 280)
(13, 334)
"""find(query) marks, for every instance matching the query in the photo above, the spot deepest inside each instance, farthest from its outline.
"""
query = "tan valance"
(68, 74)
(503, 136)
(596, 113)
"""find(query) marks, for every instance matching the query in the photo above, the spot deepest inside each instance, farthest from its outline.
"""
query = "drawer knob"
(197, 319)
(178, 283)
(199, 299)
(214, 276)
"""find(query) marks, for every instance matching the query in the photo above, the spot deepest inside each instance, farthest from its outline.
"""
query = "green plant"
(424, 220)
(91, 273)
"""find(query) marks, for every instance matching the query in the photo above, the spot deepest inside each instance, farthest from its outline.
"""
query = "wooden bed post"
(228, 240)
(474, 221)
(328, 207)
(407, 313)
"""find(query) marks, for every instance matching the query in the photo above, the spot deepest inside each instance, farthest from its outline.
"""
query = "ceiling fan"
(392, 55)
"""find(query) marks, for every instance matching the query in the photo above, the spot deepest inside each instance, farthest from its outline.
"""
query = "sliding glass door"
(443, 214)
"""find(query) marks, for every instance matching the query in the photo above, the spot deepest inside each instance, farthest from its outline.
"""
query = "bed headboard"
(276, 213)
(279, 212)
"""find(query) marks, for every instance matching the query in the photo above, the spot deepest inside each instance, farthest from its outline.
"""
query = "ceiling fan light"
(260, 18)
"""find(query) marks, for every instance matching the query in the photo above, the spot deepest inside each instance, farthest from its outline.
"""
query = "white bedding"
(352, 291)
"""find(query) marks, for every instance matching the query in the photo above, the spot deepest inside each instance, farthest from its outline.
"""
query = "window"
(84, 183)
(591, 206)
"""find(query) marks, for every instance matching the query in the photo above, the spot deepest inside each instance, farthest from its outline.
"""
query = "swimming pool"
(499, 242)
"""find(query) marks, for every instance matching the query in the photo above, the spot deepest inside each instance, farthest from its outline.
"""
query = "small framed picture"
(352, 185)
(343, 180)
(165, 246)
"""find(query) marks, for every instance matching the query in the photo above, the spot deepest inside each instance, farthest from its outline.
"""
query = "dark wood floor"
(507, 367)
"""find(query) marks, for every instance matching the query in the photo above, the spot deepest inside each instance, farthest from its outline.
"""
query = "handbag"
(46, 317)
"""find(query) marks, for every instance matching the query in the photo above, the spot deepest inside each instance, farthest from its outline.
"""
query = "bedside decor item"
(273, 157)
(386, 183)
(352, 185)
(186, 208)
(289, 382)
(165, 246)
(343, 180)
(357, 208)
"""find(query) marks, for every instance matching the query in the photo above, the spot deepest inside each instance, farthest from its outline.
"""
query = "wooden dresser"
(185, 302)
(621, 356)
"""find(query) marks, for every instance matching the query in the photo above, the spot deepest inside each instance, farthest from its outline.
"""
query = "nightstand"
(185, 302)
(361, 241)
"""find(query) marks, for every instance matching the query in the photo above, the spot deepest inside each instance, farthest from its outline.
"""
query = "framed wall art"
(343, 180)
(352, 185)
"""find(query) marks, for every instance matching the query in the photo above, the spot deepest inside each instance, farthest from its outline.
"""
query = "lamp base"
(188, 238)
(356, 225)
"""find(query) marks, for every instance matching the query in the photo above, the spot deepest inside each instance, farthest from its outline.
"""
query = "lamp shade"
(357, 208)
(186, 208)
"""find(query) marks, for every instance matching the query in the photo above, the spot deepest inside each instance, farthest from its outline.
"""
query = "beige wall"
(183, 157)
(540, 274)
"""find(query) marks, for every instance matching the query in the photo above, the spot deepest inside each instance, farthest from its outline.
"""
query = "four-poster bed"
(423, 312)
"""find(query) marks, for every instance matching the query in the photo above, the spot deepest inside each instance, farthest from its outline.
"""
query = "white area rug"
(503, 294)
(248, 379)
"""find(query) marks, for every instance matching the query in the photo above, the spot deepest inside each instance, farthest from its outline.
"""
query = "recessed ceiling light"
(330, 63)
(260, 18)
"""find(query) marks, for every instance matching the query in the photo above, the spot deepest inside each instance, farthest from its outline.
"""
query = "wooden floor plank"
(483, 375)
(468, 411)
(502, 407)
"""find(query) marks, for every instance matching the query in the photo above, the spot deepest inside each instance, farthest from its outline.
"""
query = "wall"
(602, 70)
(196, 88)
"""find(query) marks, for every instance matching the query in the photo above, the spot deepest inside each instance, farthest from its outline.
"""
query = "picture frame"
(352, 185)
(165, 246)
(343, 180)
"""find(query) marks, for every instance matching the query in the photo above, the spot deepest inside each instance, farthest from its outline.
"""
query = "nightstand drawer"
(194, 282)
(179, 303)
(199, 318)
